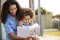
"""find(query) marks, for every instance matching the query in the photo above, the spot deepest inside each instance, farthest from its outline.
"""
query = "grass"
(53, 33)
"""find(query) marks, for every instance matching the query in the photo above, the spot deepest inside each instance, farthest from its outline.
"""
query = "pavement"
(46, 37)
(48, 30)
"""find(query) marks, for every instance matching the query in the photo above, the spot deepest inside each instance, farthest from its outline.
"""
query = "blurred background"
(47, 12)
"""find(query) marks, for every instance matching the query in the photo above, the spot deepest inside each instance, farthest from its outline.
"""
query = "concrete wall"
(46, 21)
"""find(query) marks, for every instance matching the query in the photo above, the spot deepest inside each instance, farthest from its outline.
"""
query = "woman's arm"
(10, 32)
(15, 37)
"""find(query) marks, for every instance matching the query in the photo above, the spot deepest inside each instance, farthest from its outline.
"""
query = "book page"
(33, 31)
(35, 28)
(21, 32)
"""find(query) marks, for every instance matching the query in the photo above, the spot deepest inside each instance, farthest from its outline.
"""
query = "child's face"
(26, 19)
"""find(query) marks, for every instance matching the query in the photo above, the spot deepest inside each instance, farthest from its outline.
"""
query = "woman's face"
(13, 9)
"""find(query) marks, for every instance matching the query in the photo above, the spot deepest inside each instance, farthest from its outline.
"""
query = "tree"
(43, 11)
(57, 16)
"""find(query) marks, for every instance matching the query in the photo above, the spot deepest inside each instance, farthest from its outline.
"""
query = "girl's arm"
(20, 23)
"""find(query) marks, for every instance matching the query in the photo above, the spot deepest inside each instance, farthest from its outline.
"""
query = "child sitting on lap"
(26, 18)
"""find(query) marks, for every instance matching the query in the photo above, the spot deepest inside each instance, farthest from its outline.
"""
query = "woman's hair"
(26, 12)
(5, 9)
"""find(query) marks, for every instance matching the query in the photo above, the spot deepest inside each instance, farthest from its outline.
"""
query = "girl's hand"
(20, 23)
(31, 21)
(35, 38)
(32, 38)
(28, 38)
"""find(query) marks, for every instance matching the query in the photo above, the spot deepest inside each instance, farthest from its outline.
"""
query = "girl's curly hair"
(26, 12)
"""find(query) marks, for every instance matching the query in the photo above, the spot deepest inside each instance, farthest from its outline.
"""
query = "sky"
(50, 5)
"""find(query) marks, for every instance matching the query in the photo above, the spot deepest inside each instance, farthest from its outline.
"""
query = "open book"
(33, 31)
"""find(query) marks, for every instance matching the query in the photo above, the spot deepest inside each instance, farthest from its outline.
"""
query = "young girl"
(26, 19)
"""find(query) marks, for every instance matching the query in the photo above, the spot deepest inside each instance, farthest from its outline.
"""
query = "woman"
(10, 10)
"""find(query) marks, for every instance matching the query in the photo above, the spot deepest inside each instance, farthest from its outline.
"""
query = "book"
(32, 31)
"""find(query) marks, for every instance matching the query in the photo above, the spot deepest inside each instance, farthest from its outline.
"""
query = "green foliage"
(56, 16)
(43, 11)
